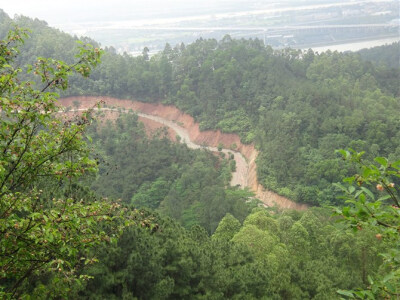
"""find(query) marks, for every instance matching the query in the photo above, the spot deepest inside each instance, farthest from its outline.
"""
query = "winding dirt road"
(158, 115)
(239, 177)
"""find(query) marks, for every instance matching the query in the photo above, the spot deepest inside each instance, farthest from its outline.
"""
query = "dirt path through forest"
(185, 127)
(239, 177)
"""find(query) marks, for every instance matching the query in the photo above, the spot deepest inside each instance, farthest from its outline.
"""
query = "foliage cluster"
(46, 231)
(383, 55)
(273, 256)
(374, 204)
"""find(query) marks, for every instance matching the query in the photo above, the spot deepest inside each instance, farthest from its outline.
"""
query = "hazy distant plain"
(132, 25)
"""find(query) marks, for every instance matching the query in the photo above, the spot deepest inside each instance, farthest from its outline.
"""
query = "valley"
(127, 205)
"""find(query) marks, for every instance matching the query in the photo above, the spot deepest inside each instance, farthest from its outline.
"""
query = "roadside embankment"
(185, 126)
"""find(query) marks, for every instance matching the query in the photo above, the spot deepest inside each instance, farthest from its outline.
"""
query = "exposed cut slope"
(185, 126)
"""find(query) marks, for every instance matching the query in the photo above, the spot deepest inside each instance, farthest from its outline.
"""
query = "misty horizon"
(129, 26)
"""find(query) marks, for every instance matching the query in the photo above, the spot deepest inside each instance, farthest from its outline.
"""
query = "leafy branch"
(373, 198)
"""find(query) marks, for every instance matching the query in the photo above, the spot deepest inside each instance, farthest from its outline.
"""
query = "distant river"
(355, 46)
(351, 46)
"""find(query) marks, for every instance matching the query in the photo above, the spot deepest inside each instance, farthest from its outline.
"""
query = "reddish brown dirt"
(208, 137)
(151, 127)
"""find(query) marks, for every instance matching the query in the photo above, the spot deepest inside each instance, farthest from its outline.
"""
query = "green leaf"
(381, 160)
(346, 211)
(345, 293)
(340, 186)
(384, 198)
(351, 189)
(396, 164)
(358, 193)
(388, 277)
(344, 153)
(367, 172)
(368, 192)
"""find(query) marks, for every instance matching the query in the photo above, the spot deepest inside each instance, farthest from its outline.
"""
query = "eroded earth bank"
(157, 115)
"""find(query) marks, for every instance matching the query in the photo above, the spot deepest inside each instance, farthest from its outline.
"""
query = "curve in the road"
(239, 177)
(188, 130)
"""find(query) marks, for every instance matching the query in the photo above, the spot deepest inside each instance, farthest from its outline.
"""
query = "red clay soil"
(208, 137)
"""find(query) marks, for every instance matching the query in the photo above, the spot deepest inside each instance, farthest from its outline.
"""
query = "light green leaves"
(382, 161)
(42, 234)
(381, 215)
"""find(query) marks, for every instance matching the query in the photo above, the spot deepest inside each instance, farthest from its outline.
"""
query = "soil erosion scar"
(189, 132)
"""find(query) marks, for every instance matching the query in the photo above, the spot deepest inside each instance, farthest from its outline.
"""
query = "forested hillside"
(101, 209)
(245, 255)
(297, 107)
(289, 256)
(387, 55)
